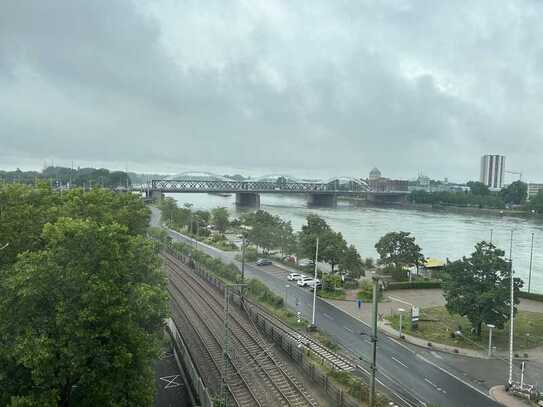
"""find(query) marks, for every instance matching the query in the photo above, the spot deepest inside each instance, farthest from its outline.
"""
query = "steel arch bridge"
(282, 185)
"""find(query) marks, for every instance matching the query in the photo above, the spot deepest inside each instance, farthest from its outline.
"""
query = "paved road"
(410, 373)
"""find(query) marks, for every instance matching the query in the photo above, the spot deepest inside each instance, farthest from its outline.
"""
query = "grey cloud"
(317, 87)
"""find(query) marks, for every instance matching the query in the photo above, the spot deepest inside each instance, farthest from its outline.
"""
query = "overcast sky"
(302, 87)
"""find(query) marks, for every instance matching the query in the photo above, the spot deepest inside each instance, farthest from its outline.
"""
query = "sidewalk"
(499, 394)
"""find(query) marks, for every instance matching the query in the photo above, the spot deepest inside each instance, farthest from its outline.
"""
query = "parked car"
(311, 284)
(263, 262)
(295, 276)
(304, 282)
(306, 263)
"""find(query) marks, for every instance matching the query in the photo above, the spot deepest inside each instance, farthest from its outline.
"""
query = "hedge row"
(531, 296)
(413, 284)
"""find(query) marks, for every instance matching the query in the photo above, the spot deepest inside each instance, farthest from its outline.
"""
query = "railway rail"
(254, 375)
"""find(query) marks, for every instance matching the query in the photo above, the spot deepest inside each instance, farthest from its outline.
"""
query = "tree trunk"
(478, 329)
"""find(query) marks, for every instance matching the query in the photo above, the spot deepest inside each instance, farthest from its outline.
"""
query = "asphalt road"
(408, 372)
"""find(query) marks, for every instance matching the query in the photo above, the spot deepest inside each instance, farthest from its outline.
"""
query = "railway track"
(333, 359)
(251, 361)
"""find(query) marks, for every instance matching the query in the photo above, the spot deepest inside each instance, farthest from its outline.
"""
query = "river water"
(439, 234)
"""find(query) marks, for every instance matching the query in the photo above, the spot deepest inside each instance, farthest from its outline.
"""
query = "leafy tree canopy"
(219, 217)
(515, 193)
(478, 287)
(399, 250)
(478, 188)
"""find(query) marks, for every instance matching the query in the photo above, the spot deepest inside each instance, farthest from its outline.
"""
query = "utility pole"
(313, 325)
(373, 365)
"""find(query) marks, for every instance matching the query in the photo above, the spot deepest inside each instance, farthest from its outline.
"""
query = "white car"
(304, 282)
(295, 276)
(312, 283)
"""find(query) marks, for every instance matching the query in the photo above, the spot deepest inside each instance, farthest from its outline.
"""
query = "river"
(440, 235)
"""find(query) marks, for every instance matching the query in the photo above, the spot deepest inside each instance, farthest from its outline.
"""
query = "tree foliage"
(478, 287)
(536, 203)
(219, 217)
(515, 193)
(398, 249)
(82, 299)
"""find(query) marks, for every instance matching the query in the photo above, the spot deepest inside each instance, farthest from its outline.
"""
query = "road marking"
(413, 352)
(456, 377)
(170, 381)
(324, 314)
(400, 362)
(437, 355)
(348, 329)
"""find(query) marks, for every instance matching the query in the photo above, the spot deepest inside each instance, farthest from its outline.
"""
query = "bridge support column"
(247, 200)
(154, 194)
(322, 201)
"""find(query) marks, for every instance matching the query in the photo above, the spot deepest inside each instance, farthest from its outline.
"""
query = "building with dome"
(375, 174)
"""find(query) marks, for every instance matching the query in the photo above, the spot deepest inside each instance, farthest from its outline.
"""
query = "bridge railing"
(254, 186)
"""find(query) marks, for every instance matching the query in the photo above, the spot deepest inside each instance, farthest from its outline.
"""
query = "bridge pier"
(247, 200)
(154, 194)
(322, 200)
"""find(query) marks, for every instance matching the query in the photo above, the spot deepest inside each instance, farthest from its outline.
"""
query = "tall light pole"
(531, 258)
(512, 310)
(313, 325)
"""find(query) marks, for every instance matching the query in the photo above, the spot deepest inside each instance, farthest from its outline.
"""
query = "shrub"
(531, 296)
(395, 285)
(366, 291)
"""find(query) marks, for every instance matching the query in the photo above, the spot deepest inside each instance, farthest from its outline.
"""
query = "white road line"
(348, 329)
(452, 375)
(426, 379)
(400, 362)
(324, 314)
(437, 355)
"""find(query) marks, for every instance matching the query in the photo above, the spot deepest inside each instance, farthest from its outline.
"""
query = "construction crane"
(516, 173)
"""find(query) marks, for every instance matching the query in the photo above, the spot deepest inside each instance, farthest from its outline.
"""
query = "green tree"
(536, 203)
(167, 208)
(219, 217)
(478, 287)
(264, 230)
(23, 212)
(81, 318)
(351, 262)
(515, 193)
(478, 188)
(398, 249)
(288, 242)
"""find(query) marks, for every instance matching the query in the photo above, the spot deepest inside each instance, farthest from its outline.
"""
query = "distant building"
(492, 169)
(375, 174)
(378, 183)
(533, 189)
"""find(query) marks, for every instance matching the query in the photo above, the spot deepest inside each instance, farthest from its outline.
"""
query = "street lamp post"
(401, 311)
(490, 327)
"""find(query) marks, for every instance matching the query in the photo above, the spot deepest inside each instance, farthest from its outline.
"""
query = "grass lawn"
(436, 325)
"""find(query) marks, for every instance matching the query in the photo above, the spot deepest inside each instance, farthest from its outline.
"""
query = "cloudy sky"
(302, 87)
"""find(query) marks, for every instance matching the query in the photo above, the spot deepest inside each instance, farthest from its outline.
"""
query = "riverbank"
(362, 202)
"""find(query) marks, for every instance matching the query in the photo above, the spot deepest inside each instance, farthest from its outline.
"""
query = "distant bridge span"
(248, 192)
